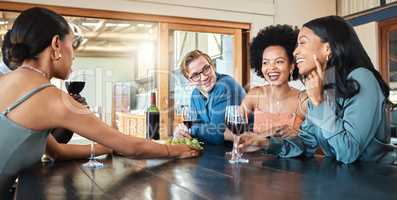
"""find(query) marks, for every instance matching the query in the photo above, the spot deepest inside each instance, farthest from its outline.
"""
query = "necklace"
(35, 69)
(273, 99)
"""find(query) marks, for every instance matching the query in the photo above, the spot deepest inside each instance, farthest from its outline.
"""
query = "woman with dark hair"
(347, 98)
(41, 47)
(278, 108)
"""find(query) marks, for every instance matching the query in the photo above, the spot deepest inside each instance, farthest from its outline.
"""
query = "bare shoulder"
(256, 90)
(54, 103)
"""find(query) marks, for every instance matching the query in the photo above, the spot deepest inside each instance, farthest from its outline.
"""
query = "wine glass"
(236, 120)
(189, 117)
(75, 83)
(93, 163)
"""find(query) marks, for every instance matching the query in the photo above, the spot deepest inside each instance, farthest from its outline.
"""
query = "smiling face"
(276, 67)
(310, 44)
(202, 74)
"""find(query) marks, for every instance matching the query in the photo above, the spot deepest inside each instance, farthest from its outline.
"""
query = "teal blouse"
(358, 132)
(20, 147)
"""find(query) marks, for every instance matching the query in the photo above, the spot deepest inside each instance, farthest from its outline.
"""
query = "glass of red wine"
(236, 120)
(74, 85)
(189, 117)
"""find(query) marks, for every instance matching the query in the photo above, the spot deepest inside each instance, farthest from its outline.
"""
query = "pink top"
(265, 121)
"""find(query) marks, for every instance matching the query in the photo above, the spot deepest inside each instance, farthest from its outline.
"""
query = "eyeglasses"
(197, 76)
(77, 41)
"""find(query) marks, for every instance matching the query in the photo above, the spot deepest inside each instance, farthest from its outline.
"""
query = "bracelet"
(168, 150)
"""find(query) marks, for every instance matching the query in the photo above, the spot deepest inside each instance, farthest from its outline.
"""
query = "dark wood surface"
(210, 177)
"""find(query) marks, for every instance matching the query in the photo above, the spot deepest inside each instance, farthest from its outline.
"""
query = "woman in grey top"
(42, 46)
(347, 99)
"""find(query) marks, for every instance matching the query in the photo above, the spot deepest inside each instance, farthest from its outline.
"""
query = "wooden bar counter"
(210, 177)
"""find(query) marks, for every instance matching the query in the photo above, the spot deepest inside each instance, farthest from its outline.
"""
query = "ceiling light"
(117, 25)
(90, 23)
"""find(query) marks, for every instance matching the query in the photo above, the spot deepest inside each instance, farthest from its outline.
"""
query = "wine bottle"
(153, 119)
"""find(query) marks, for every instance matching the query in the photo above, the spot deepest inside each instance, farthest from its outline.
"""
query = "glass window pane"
(116, 59)
(393, 65)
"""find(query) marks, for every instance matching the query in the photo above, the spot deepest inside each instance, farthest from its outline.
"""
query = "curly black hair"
(275, 35)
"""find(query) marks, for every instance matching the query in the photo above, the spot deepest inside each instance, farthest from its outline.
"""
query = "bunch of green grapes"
(192, 142)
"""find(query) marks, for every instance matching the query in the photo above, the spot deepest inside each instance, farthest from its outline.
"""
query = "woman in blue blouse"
(347, 99)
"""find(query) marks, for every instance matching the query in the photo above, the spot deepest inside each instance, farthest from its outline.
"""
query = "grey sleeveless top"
(20, 147)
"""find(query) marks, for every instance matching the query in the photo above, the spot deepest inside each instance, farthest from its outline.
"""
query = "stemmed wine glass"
(189, 117)
(92, 161)
(74, 85)
(236, 120)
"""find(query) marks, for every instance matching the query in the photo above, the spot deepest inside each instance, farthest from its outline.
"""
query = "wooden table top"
(210, 177)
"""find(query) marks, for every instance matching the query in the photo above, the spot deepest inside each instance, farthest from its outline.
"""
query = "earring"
(59, 57)
(290, 76)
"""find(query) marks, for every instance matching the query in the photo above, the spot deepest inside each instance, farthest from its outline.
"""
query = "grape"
(192, 142)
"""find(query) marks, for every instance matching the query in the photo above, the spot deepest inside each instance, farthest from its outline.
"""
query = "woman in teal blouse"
(346, 111)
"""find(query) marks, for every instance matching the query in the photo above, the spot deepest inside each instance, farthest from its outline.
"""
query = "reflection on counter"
(134, 124)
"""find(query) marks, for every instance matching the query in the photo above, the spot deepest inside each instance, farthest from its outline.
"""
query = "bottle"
(153, 119)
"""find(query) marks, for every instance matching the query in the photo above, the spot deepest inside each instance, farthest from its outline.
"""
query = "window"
(125, 56)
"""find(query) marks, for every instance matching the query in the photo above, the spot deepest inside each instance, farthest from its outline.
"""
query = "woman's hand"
(250, 142)
(79, 99)
(314, 83)
(283, 131)
(182, 151)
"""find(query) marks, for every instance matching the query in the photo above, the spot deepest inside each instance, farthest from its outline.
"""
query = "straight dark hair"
(31, 33)
(347, 54)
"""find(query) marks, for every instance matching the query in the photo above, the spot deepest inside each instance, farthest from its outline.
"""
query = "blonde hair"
(189, 57)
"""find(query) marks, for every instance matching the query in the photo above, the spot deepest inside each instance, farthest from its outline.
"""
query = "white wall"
(368, 34)
(297, 12)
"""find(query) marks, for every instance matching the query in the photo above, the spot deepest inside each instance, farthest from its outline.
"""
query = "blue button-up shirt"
(211, 110)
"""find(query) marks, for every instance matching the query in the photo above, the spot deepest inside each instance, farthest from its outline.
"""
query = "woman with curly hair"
(346, 116)
(278, 108)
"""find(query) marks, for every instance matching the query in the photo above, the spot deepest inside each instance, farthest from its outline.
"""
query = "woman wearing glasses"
(41, 48)
(213, 92)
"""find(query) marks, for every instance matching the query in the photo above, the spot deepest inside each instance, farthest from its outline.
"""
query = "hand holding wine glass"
(189, 117)
(74, 85)
(236, 120)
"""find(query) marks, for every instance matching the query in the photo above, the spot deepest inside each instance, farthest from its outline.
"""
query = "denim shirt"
(358, 132)
(211, 110)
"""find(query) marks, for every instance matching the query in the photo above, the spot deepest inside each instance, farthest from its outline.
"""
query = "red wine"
(188, 123)
(74, 87)
(153, 119)
(153, 125)
(237, 128)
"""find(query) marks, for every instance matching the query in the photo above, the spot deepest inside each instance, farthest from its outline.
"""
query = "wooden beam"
(238, 59)
(163, 76)
(108, 14)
